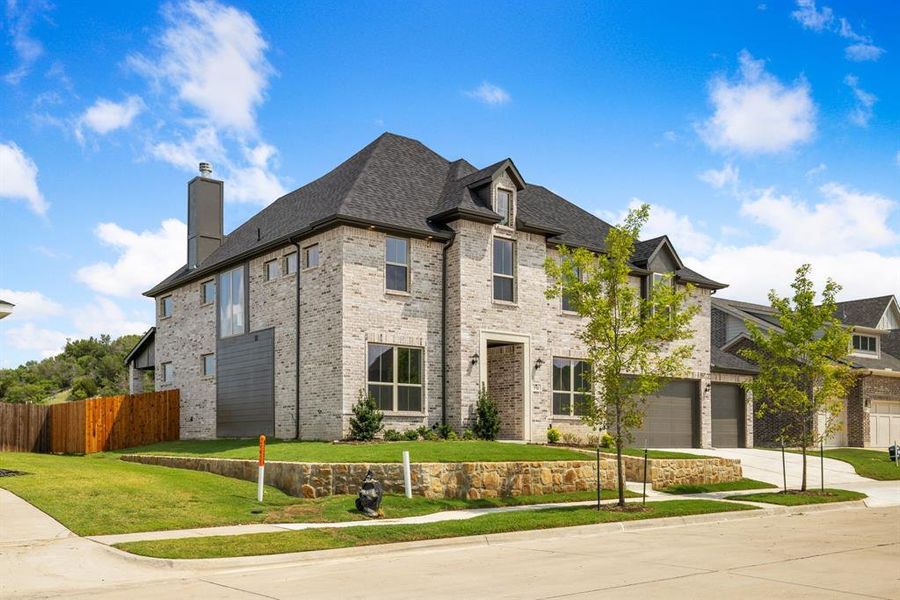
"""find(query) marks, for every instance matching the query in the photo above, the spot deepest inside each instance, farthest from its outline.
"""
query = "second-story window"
(290, 263)
(865, 343)
(165, 306)
(504, 207)
(231, 302)
(311, 256)
(396, 264)
(272, 270)
(504, 270)
(208, 292)
(568, 303)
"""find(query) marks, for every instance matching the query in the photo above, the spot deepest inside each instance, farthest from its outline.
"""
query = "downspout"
(297, 348)
(444, 330)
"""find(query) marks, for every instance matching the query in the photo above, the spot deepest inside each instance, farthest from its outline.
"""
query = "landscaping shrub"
(593, 440)
(571, 439)
(468, 435)
(411, 435)
(392, 435)
(444, 430)
(608, 441)
(452, 437)
(487, 417)
(430, 436)
(366, 421)
(553, 435)
(422, 431)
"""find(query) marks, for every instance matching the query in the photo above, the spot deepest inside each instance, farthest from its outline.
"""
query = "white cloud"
(18, 180)
(30, 304)
(684, 235)
(105, 316)
(144, 259)
(19, 19)
(105, 115)
(214, 56)
(33, 339)
(757, 113)
(865, 101)
(728, 175)
(846, 221)
(489, 93)
(817, 170)
(255, 182)
(812, 18)
(204, 145)
(863, 52)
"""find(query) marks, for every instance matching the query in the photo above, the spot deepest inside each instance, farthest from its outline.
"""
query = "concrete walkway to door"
(765, 465)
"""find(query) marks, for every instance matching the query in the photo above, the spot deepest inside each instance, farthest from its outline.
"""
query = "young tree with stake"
(802, 371)
(634, 343)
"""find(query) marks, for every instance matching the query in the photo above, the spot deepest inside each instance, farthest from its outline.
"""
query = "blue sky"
(764, 135)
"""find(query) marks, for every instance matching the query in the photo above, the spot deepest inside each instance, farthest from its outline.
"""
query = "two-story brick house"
(410, 277)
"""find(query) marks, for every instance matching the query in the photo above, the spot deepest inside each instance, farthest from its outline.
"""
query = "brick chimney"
(205, 210)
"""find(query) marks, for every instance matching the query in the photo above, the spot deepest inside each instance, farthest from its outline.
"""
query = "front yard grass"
(99, 494)
(661, 454)
(741, 484)
(381, 452)
(323, 539)
(873, 464)
(797, 498)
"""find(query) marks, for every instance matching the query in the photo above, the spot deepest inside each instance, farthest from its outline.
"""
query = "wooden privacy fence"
(94, 425)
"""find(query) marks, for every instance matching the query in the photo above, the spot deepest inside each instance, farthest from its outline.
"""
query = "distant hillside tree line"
(86, 368)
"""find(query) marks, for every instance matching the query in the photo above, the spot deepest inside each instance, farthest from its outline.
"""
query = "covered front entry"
(507, 378)
(727, 415)
(670, 417)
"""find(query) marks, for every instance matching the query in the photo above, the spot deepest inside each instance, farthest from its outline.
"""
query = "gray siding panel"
(245, 390)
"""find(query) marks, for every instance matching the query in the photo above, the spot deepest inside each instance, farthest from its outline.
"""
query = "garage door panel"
(884, 423)
(669, 417)
(727, 415)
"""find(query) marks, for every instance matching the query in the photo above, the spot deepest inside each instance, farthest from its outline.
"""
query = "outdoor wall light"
(538, 364)
(475, 359)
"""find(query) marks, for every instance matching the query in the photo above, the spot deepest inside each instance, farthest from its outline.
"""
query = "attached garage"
(727, 416)
(884, 422)
(670, 417)
(245, 385)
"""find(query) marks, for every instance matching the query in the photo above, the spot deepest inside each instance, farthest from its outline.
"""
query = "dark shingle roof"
(400, 184)
(728, 362)
(865, 312)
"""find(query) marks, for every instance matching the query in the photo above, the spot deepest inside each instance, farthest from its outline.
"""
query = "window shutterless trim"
(495, 274)
(203, 284)
(572, 392)
(395, 384)
(306, 261)
(405, 265)
(162, 306)
(171, 368)
(203, 358)
(286, 266)
(277, 266)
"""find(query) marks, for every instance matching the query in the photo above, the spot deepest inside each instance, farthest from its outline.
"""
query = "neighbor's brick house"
(388, 272)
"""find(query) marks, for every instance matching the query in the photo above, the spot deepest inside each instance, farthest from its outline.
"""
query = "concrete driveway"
(766, 465)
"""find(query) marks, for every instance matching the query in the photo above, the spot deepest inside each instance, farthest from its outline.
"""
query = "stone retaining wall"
(665, 472)
(432, 480)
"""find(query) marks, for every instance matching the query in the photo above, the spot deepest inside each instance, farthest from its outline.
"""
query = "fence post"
(261, 478)
(407, 479)
(822, 463)
(783, 466)
(644, 494)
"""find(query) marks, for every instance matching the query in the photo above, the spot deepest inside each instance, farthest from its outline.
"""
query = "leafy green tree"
(802, 372)
(487, 416)
(634, 344)
(366, 421)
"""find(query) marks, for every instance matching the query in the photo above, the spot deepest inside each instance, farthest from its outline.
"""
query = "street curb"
(201, 564)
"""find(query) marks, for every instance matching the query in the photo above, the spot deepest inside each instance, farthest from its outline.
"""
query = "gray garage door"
(669, 417)
(245, 385)
(727, 416)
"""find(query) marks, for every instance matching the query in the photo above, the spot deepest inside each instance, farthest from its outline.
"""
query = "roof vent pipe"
(205, 170)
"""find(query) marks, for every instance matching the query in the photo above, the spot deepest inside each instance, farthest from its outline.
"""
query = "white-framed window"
(209, 365)
(166, 305)
(394, 377)
(865, 343)
(503, 206)
(504, 270)
(290, 263)
(208, 292)
(568, 304)
(231, 302)
(396, 264)
(311, 256)
(571, 379)
(168, 372)
(272, 269)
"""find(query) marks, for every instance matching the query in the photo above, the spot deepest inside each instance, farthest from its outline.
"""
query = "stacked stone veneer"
(458, 480)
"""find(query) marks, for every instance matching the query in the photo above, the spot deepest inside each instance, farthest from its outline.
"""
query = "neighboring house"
(871, 411)
(407, 276)
(141, 359)
(6, 308)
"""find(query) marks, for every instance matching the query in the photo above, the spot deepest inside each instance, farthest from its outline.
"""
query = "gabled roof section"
(458, 198)
(145, 340)
(646, 251)
(764, 316)
(722, 361)
(866, 312)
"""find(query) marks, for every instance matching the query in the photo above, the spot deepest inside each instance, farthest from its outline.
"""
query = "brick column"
(135, 380)
(748, 419)
(705, 412)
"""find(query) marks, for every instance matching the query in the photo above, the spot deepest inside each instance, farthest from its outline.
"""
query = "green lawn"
(639, 452)
(797, 498)
(873, 464)
(322, 539)
(741, 484)
(99, 494)
(383, 452)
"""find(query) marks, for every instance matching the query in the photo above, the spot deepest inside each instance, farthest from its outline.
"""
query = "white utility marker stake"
(407, 480)
(261, 478)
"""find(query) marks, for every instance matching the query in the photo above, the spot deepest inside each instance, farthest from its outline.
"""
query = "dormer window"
(503, 206)
(865, 343)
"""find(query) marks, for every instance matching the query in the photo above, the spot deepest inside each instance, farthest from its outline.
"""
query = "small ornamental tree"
(634, 343)
(802, 372)
(487, 416)
(366, 421)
